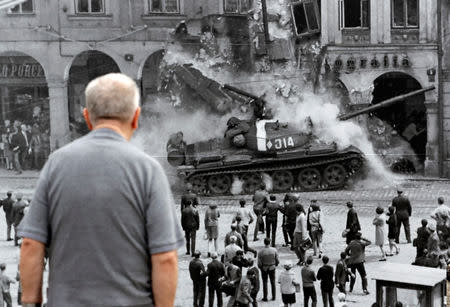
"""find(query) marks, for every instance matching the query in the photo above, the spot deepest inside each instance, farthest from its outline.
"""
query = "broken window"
(236, 6)
(90, 6)
(354, 13)
(23, 8)
(306, 17)
(405, 13)
(164, 6)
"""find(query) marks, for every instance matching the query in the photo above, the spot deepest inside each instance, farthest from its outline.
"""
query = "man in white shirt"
(442, 216)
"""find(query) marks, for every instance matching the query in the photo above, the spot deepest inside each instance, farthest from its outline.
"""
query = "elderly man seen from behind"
(105, 210)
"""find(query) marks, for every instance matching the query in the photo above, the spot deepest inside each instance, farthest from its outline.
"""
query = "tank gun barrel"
(239, 91)
(385, 103)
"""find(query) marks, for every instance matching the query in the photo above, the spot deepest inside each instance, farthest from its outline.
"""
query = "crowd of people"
(25, 145)
(302, 230)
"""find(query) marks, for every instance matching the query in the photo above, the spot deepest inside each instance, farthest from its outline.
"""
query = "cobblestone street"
(422, 193)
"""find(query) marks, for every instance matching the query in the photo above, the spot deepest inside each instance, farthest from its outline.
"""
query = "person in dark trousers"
(308, 279)
(5, 281)
(267, 262)
(215, 270)
(255, 281)
(392, 231)
(189, 196)
(356, 252)
(259, 203)
(190, 221)
(403, 210)
(241, 229)
(290, 216)
(325, 275)
(7, 204)
(198, 276)
(422, 239)
(352, 225)
(19, 145)
(342, 273)
(271, 218)
(18, 214)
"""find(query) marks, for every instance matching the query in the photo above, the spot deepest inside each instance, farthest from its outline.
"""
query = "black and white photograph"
(236, 153)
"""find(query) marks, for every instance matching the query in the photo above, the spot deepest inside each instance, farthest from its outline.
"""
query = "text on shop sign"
(21, 71)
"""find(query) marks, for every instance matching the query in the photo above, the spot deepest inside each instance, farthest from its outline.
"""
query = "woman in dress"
(379, 221)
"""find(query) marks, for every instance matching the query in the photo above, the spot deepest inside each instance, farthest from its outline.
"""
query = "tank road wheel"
(219, 184)
(309, 178)
(282, 180)
(334, 174)
(252, 181)
(355, 164)
(198, 184)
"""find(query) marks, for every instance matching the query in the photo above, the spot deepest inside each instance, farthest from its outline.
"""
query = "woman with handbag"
(314, 220)
(300, 234)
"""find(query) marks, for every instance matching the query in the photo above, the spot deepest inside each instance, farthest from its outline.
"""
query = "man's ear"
(134, 122)
(87, 118)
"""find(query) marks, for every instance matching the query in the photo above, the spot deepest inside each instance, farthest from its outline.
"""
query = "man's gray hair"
(112, 96)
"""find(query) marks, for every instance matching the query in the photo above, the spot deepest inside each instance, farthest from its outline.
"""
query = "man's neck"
(113, 126)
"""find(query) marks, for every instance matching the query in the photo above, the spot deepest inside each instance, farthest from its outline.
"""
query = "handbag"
(297, 288)
(306, 244)
(205, 236)
(345, 233)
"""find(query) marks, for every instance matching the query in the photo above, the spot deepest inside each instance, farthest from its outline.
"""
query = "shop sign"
(21, 71)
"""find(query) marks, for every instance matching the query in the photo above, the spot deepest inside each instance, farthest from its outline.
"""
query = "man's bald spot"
(112, 96)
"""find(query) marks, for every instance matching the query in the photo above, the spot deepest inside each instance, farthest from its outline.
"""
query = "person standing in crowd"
(325, 275)
(316, 227)
(234, 233)
(255, 281)
(19, 146)
(190, 221)
(45, 139)
(234, 274)
(18, 213)
(198, 276)
(442, 217)
(379, 221)
(215, 270)
(243, 296)
(241, 229)
(6, 134)
(212, 216)
(342, 273)
(308, 279)
(239, 259)
(422, 239)
(271, 218)
(36, 147)
(231, 249)
(287, 285)
(300, 234)
(284, 228)
(245, 214)
(126, 206)
(403, 210)
(352, 226)
(356, 252)
(267, 262)
(26, 155)
(259, 203)
(392, 231)
(189, 196)
(5, 281)
(290, 215)
(7, 204)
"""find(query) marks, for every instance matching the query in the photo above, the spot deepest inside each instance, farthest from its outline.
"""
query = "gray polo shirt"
(103, 207)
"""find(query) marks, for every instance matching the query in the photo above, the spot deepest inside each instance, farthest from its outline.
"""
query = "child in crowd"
(341, 300)
(308, 279)
(379, 221)
(325, 275)
(392, 231)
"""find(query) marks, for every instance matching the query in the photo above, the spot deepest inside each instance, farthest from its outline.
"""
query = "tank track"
(343, 159)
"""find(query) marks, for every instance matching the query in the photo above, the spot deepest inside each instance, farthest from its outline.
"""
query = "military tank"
(294, 160)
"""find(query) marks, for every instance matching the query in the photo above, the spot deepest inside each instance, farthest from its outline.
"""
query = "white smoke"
(267, 181)
(236, 186)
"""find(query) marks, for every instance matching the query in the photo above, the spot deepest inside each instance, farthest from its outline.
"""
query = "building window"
(90, 6)
(405, 13)
(23, 8)
(354, 13)
(164, 6)
(236, 6)
(306, 17)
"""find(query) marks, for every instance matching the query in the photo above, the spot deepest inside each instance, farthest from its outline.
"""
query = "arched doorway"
(85, 67)
(24, 104)
(407, 119)
(151, 74)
